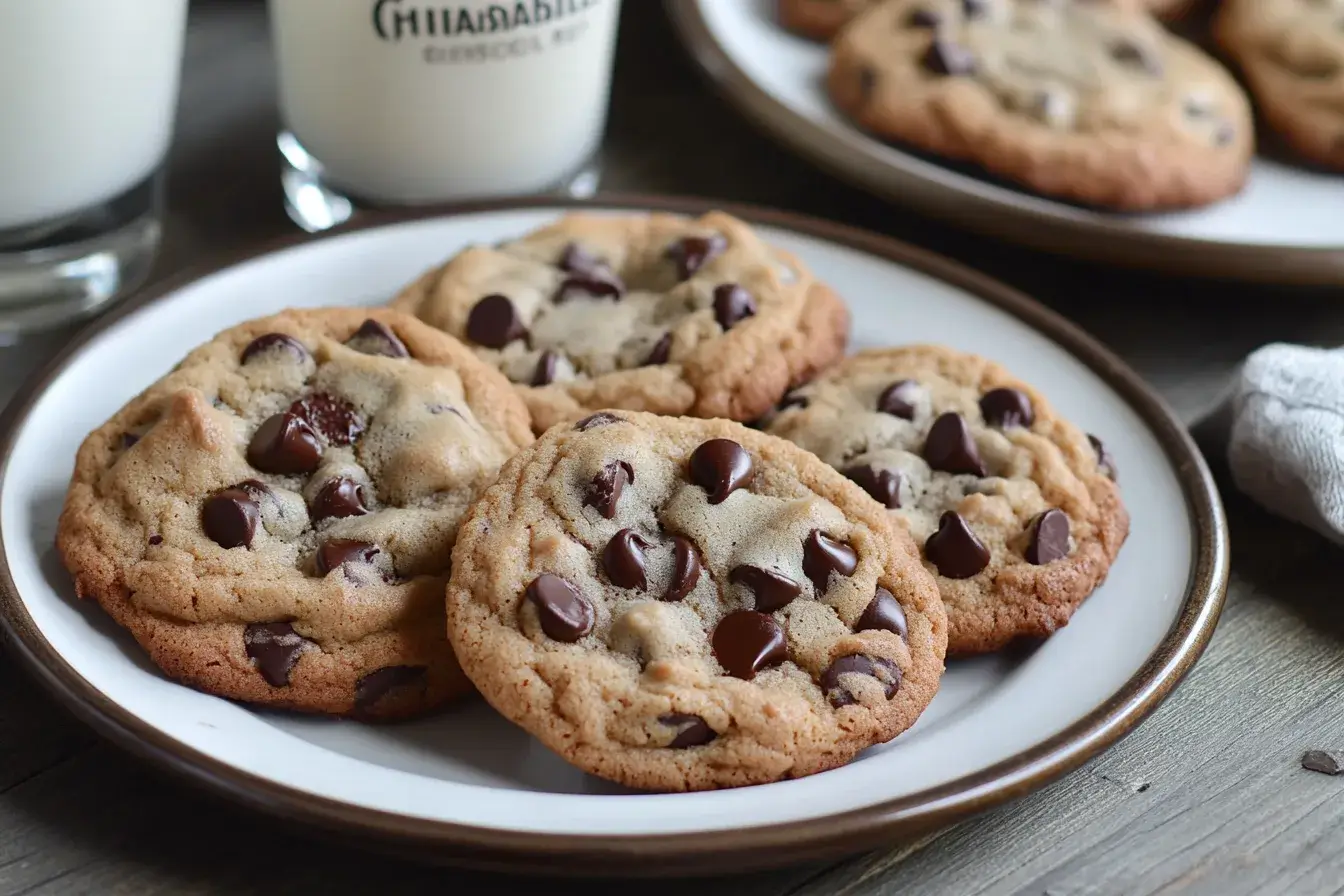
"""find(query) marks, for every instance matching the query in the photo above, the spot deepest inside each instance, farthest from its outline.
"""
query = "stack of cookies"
(1090, 101)
(615, 475)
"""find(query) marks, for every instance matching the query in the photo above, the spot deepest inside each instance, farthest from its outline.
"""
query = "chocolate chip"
(577, 260)
(695, 731)
(494, 322)
(155, 540)
(565, 614)
(691, 253)
(720, 467)
(274, 648)
(599, 282)
(661, 350)
(336, 420)
(884, 486)
(898, 399)
(274, 342)
(950, 447)
(128, 439)
(823, 555)
(880, 669)
(944, 57)
(285, 444)
(1132, 54)
(229, 517)
(1007, 407)
(923, 18)
(545, 371)
(732, 304)
(954, 549)
(370, 689)
(1049, 538)
(623, 560)
(883, 613)
(374, 338)
(974, 9)
(604, 492)
(685, 568)
(793, 400)
(1323, 761)
(773, 590)
(336, 552)
(339, 498)
(1105, 462)
(601, 418)
(745, 642)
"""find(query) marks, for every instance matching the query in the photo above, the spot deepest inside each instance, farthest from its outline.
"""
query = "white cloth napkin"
(1287, 438)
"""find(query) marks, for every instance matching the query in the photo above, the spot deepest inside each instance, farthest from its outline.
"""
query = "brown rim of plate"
(1032, 220)
(688, 853)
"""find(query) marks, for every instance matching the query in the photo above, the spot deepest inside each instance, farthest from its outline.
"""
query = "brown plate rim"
(695, 852)
(847, 158)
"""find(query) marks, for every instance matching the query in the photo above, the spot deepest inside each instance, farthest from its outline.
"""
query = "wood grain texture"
(1207, 797)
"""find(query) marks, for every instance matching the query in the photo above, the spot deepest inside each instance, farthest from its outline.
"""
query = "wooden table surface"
(1207, 796)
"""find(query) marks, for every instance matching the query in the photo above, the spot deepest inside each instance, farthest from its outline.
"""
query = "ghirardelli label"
(397, 20)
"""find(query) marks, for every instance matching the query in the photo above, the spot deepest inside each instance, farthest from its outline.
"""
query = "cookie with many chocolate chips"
(647, 312)
(273, 519)
(682, 604)
(1017, 510)
(1092, 101)
(1292, 54)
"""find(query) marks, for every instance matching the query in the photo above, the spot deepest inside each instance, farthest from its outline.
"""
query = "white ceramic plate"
(472, 786)
(1287, 226)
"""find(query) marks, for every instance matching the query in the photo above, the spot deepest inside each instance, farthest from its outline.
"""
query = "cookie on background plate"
(1016, 510)
(650, 312)
(682, 604)
(1292, 55)
(1091, 102)
(273, 519)
(823, 19)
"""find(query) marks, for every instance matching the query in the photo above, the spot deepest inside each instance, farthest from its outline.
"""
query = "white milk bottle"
(403, 102)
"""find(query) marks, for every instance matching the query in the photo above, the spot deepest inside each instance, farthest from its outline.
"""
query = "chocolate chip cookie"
(1091, 102)
(682, 604)
(1017, 511)
(273, 519)
(1292, 54)
(647, 312)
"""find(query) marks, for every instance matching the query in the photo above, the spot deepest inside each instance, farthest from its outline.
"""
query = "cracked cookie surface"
(1292, 54)
(652, 312)
(1016, 510)
(273, 519)
(1092, 102)
(681, 604)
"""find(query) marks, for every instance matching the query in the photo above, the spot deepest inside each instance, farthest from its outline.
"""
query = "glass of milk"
(408, 102)
(88, 90)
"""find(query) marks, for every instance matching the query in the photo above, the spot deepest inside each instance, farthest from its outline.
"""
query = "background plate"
(471, 787)
(1285, 227)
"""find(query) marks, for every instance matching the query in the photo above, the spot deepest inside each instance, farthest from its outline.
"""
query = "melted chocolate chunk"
(884, 486)
(336, 552)
(823, 555)
(773, 590)
(601, 418)
(544, 374)
(374, 338)
(380, 683)
(1005, 408)
(944, 57)
(883, 613)
(695, 731)
(950, 447)
(604, 492)
(661, 351)
(1105, 462)
(691, 253)
(898, 399)
(954, 549)
(285, 444)
(565, 615)
(745, 642)
(274, 648)
(880, 669)
(335, 420)
(732, 304)
(720, 467)
(274, 343)
(623, 560)
(494, 322)
(230, 516)
(1049, 539)
(685, 568)
(339, 498)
